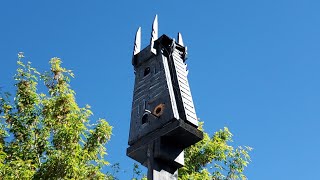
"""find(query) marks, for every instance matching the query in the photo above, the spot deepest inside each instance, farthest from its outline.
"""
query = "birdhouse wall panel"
(153, 99)
(183, 94)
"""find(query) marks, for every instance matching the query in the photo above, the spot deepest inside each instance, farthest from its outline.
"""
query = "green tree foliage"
(137, 173)
(214, 158)
(48, 136)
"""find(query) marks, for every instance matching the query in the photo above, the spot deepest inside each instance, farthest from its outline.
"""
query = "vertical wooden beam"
(158, 169)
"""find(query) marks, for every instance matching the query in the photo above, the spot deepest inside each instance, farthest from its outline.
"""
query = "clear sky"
(253, 67)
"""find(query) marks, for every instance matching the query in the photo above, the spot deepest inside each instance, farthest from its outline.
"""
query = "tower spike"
(137, 42)
(154, 34)
(180, 40)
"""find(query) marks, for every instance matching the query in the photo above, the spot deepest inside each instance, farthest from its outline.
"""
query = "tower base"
(174, 138)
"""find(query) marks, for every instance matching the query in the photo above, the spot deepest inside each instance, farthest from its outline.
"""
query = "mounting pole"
(158, 169)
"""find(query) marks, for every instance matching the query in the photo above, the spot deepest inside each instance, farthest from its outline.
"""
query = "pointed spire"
(154, 34)
(137, 42)
(180, 40)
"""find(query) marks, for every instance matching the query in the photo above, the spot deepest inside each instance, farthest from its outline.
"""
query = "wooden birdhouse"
(163, 111)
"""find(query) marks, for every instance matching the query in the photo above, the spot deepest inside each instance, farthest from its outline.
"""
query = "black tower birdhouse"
(163, 112)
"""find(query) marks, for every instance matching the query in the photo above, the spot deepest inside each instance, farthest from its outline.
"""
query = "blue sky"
(253, 67)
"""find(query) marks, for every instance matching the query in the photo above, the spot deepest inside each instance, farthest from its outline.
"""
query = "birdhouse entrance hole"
(146, 71)
(158, 110)
(144, 119)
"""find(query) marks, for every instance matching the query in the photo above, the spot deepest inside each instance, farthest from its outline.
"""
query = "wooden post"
(158, 169)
